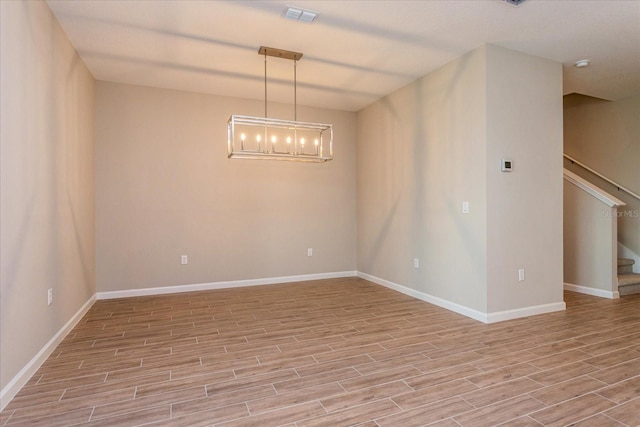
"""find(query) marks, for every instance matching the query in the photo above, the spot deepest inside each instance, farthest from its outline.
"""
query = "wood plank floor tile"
(353, 416)
(136, 418)
(558, 347)
(364, 395)
(318, 392)
(61, 384)
(311, 380)
(567, 390)
(107, 409)
(617, 373)
(290, 414)
(579, 408)
(369, 380)
(613, 358)
(599, 420)
(354, 351)
(373, 367)
(433, 394)
(276, 365)
(492, 363)
(231, 398)
(559, 359)
(331, 353)
(288, 352)
(501, 391)
(521, 422)
(426, 414)
(563, 373)
(25, 400)
(442, 376)
(68, 418)
(501, 375)
(213, 366)
(622, 391)
(138, 372)
(255, 380)
(184, 383)
(612, 344)
(500, 412)
(627, 413)
(333, 365)
(447, 362)
(206, 417)
(99, 391)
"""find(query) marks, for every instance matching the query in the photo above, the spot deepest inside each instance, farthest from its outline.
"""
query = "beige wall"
(605, 136)
(524, 228)
(428, 147)
(47, 192)
(589, 241)
(421, 152)
(165, 188)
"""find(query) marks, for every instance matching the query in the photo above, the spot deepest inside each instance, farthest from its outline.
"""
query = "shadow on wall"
(396, 185)
(421, 179)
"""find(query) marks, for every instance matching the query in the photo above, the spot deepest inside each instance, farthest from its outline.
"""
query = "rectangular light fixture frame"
(250, 137)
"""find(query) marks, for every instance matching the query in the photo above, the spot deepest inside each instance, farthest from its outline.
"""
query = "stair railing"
(610, 181)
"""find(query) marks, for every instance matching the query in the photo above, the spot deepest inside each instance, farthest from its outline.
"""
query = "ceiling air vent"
(301, 15)
(515, 2)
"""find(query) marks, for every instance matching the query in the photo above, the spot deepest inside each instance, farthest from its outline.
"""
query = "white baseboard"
(22, 377)
(500, 316)
(466, 311)
(457, 308)
(591, 291)
(221, 285)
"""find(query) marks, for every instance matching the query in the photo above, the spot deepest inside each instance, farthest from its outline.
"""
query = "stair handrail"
(610, 181)
(597, 192)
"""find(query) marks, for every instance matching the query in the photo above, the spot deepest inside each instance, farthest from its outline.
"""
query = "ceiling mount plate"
(280, 53)
(515, 2)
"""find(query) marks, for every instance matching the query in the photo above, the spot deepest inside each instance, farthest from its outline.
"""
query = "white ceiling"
(355, 52)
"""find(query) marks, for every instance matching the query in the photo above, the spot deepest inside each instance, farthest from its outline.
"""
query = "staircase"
(628, 281)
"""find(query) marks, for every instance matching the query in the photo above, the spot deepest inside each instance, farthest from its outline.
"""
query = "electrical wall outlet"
(465, 207)
(50, 296)
(184, 260)
(309, 251)
(521, 275)
(416, 263)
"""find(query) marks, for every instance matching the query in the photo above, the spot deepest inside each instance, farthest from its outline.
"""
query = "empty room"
(320, 213)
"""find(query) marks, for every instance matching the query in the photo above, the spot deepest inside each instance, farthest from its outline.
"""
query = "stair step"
(629, 284)
(625, 261)
(625, 265)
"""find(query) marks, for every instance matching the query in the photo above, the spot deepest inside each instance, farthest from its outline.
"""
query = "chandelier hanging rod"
(284, 54)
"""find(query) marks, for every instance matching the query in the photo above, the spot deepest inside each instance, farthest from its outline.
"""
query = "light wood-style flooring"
(340, 352)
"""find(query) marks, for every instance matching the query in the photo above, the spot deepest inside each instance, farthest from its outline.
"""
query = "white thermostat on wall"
(506, 165)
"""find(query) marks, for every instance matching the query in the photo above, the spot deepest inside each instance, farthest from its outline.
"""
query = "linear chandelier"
(250, 137)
